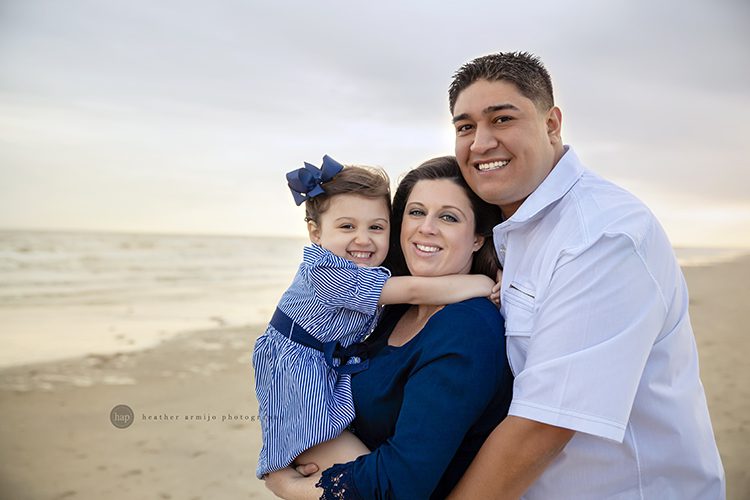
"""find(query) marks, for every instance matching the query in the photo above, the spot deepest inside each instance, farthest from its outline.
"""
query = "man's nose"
(484, 140)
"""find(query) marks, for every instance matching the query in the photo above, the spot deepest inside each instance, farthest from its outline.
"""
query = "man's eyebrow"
(499, 107)
(489, 109)
(462, 116)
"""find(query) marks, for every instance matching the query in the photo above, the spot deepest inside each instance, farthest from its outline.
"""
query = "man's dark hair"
(522, 69)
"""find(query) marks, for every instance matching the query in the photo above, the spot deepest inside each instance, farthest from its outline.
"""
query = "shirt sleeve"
(444, 396)
(339, 283)
(592, 333)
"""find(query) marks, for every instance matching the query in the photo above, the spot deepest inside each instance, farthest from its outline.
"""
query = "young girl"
(304, 360)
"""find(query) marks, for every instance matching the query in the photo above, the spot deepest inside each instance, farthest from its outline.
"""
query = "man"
(607, 398)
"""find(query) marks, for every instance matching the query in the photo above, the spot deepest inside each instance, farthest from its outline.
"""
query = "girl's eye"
(376, 227)
(347, 226)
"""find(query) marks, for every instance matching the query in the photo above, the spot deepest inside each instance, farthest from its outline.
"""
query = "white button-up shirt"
(600, 342)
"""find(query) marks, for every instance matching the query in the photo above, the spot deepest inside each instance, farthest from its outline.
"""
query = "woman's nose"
(427, 226)
(484, 140)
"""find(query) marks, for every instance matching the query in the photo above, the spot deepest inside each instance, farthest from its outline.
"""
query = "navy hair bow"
(305, 183)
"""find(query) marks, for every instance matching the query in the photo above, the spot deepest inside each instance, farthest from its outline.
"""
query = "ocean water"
(65, 294)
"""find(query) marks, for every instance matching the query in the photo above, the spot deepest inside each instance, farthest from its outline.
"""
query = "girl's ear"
(314, 231)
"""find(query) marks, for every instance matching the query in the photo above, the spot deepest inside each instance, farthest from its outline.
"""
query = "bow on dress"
(305, 183)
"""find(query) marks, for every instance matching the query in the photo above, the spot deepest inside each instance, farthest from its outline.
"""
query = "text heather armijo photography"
(122, 416)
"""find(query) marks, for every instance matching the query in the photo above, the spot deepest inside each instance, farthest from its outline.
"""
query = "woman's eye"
(415, 212)
(449, 218)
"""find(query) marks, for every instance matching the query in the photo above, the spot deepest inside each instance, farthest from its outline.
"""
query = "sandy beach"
(195, 433)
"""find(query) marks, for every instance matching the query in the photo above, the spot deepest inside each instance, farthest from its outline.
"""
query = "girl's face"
(355, 228)
(437, 232)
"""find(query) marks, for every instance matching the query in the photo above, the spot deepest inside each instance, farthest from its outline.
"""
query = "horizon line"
(145, 232)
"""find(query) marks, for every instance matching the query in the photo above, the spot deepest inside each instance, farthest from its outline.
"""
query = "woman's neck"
(411, 323)
(424, 312)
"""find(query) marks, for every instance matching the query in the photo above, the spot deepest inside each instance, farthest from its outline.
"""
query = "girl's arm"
(437, 290)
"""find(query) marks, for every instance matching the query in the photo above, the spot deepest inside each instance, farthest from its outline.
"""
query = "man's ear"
(314, 231)
(554, 125)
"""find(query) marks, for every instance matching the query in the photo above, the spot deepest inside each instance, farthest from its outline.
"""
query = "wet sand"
(195, 433)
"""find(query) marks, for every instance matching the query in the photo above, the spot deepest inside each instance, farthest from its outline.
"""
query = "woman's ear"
(314, 231)
(478, 242)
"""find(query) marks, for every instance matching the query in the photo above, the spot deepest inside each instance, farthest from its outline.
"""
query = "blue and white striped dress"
(303, 402)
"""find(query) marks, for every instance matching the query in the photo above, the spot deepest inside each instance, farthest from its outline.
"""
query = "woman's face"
(437, 231)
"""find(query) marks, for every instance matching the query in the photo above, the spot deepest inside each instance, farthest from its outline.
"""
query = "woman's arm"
(437, 290)
(458, 374)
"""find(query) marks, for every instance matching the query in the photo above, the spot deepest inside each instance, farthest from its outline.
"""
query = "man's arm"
(512, 457)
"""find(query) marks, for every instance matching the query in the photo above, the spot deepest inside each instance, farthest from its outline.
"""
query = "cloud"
(191, 107)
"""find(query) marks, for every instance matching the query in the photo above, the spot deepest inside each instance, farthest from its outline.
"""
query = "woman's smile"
(427, 249)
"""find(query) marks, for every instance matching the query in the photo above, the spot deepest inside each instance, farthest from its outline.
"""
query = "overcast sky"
(183, 116)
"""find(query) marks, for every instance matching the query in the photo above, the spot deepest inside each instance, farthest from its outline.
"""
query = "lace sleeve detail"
(338, 483)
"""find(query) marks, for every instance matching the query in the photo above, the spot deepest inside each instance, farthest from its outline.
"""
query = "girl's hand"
(495, 294)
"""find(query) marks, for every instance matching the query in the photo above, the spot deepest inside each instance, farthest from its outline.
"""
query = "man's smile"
(492, 165)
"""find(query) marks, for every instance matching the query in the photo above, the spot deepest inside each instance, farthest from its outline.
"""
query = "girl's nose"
(362, 238)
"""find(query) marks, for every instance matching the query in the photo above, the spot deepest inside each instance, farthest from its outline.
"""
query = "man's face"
(505, 146)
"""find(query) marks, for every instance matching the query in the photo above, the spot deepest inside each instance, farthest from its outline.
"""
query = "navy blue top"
(425, 408)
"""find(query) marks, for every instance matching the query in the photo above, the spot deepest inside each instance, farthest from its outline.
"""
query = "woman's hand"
(292, 484)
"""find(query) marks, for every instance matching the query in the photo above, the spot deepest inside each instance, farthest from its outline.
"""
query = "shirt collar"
(314, 252)
(559, 181)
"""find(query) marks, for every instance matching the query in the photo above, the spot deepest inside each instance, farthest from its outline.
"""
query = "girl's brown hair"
(369, 182)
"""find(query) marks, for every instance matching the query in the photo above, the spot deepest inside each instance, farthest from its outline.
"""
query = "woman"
(438, 380)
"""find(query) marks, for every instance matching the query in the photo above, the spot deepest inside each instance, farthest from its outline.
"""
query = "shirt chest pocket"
(518, 304)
